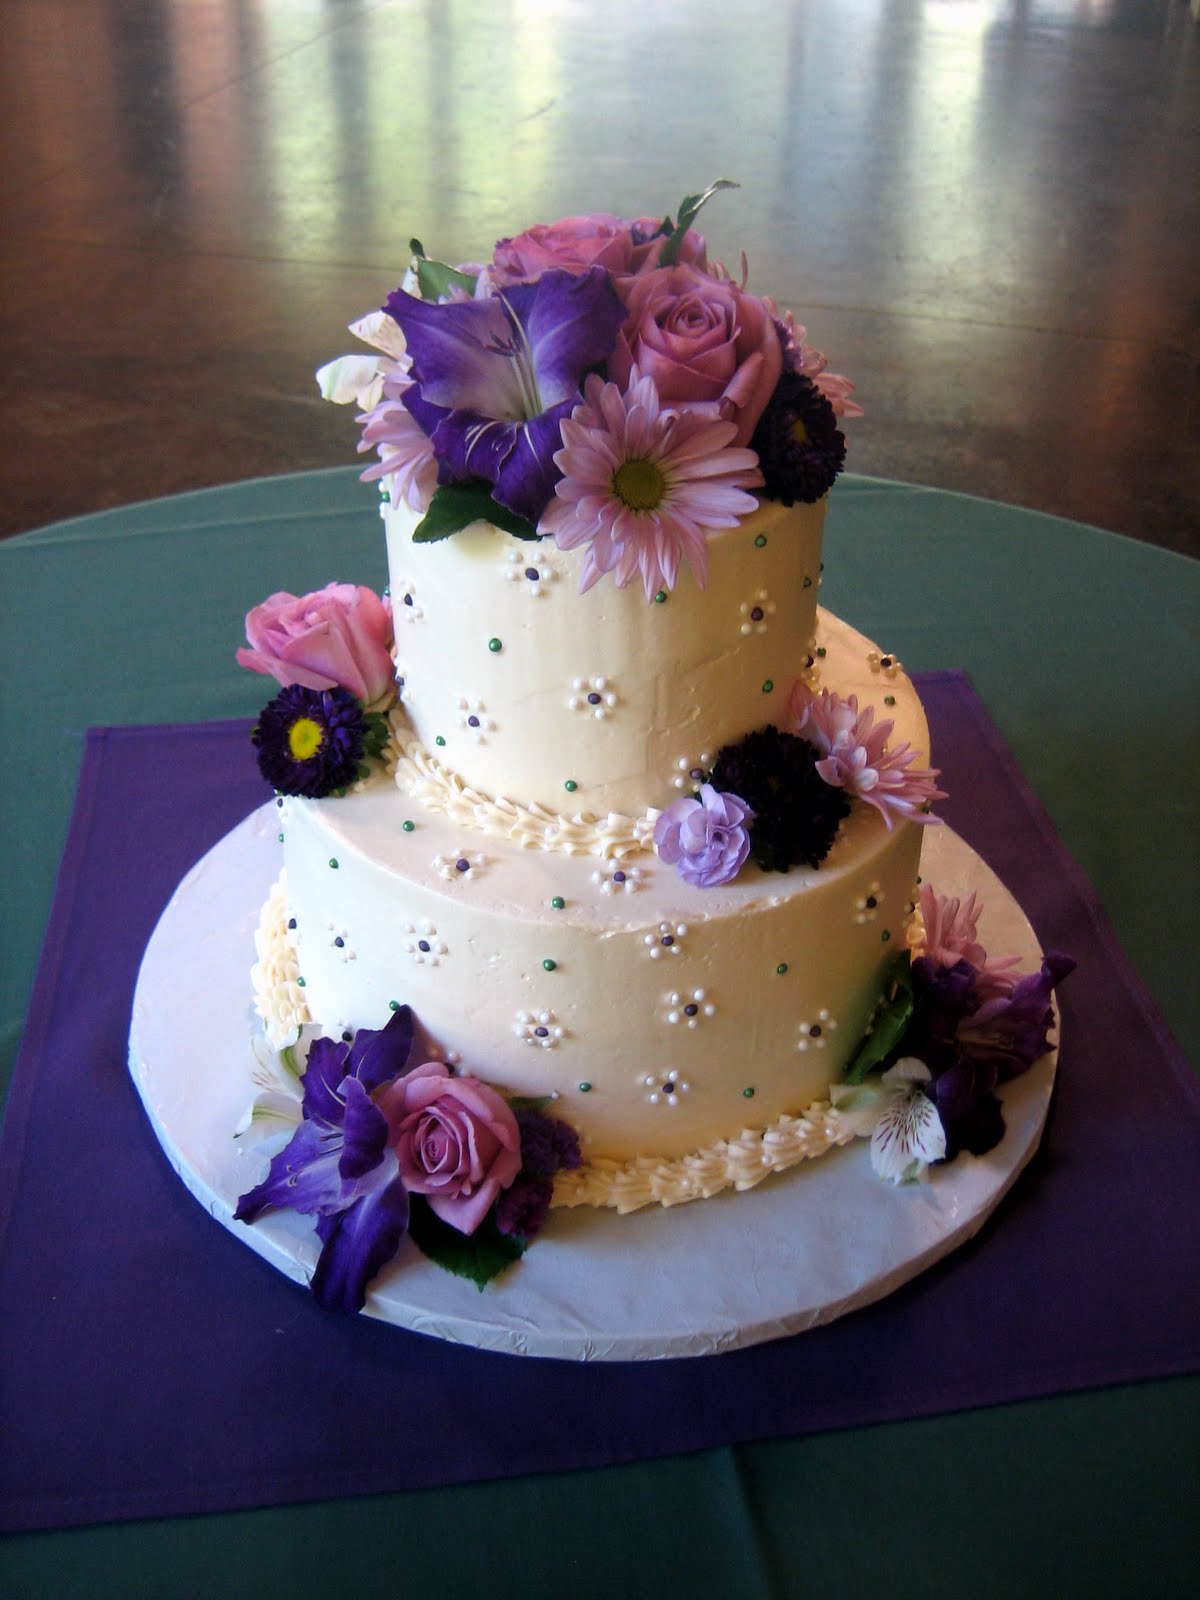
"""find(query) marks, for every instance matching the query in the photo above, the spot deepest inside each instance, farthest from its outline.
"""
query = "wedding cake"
(600, 841)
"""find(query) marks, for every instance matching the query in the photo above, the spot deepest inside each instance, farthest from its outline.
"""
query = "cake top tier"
(597, 702)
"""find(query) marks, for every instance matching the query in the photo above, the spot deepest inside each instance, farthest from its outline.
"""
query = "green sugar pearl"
(570, 786)
(408, 826)
(660, 598)
(549, 964)
(747, 1094)
(495, 646)
(760, 541)
(889, 699)
(585, 1087)
(393, 1005)
(558, 902)
(781, 968)
(437, 739)
(768, 685)
(333, 862)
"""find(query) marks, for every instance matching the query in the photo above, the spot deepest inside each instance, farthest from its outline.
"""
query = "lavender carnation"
(707, 838)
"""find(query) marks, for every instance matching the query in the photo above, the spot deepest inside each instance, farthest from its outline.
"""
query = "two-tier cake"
(600, 853)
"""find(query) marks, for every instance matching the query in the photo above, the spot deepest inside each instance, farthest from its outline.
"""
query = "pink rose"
(456, 1139)
(338, 637)
(708, 345)
(576, 243)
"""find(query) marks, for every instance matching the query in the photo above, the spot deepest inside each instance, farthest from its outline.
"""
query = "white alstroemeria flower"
(909, 1134)
(358, 379)
(275, 1112)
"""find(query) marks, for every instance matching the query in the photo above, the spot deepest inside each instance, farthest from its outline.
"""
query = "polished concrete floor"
(987, 213)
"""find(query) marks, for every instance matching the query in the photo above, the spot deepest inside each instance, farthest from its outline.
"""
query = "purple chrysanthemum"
(310, 741)
(800, 448)
(796, 813)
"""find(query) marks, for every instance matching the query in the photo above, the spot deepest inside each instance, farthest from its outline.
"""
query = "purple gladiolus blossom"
(973, 1039)
(494, 378)
(338, 1166)
(1012, 1030)
(706, 839)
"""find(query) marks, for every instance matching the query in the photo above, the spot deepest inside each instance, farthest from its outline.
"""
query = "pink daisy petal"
(684, 480)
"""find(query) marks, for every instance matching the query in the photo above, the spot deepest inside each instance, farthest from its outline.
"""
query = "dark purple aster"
(310, 741)
(338, 1167)
(800, 448)
(493, 378)
(548, 1146)
(796, 813)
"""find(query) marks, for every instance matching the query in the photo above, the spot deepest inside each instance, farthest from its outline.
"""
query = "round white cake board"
(801, 1249)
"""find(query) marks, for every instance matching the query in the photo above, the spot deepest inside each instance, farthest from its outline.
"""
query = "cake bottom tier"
(662, 1018)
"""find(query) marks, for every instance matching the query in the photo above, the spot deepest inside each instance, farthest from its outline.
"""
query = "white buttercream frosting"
(588, 701)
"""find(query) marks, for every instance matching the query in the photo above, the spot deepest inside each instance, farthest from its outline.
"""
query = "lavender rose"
(576, 243)
(706, 839)
(708, 345)
(456, 1139)
(339, 637)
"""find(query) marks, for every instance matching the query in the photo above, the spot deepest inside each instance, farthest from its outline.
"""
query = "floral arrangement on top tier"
(599, 382)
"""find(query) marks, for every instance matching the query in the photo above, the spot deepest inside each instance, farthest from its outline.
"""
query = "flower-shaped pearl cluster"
(405, 605)
(472, 715)
(664, 1088)
(535, 575)
(757, 612)
(866, 906)
(887, 665)
(339, 938)
(595, 697)
(460, 866)
(689, 1007)
(666, 939)
(621, 880)
(689, 771)
(423, 944)
(538, 1028)
(813, 1035)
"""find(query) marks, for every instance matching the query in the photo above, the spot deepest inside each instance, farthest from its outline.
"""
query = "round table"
(1083, 646)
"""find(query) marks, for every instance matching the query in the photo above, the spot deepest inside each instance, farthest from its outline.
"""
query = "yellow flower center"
(639, 485)
(799, 432)
(305, 738)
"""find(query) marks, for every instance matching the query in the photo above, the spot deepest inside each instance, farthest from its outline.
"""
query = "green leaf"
(689, 209)
(435, 277)
(456, 506)
(891, 1021)
(375, 737)
(479, 1257)
(529, 1102)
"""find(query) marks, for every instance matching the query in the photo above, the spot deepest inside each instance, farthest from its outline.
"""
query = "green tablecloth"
(1084, 647)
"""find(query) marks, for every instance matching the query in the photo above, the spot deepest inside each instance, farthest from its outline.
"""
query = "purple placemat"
(153, 1365)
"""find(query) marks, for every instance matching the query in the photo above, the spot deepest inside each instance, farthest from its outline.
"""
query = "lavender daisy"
(855, 757)
(642, 485)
